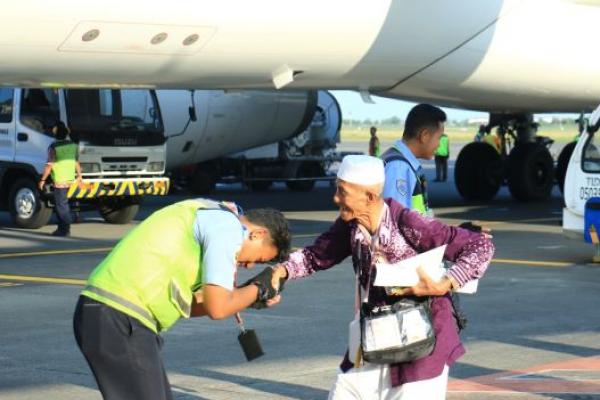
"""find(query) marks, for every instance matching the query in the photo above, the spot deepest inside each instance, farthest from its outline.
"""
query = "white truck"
(121, 150)
(582, 180)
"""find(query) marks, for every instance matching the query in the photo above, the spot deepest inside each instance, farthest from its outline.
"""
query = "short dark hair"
(422, 116)
(62, 131)
(278, 228)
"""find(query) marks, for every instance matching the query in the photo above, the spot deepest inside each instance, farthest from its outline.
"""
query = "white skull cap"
(361, 170)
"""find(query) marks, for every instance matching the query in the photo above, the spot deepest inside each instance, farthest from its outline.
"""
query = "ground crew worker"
(179, 262)
(493, 140)
(374, 147)
(441, 159)
(404, 178)
(64, 167)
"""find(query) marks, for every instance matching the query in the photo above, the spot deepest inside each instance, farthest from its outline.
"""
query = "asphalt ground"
(533, 328)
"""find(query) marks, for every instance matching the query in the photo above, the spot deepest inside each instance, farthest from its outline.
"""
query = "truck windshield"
(114, 117)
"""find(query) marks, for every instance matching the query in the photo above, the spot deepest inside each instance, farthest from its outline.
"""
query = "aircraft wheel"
(563, 163)
(530, 172)
(478, 171)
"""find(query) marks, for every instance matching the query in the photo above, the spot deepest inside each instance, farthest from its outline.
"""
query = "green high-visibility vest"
(63, 168)
(419, 201)
(443, 148)
(152, 273)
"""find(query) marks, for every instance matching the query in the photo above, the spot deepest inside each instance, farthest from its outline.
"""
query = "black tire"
(478, 172)
(120, 212)
(563, 163)
(305, 170)
(202, 182)
(26, 207)
(530, 172)
(259, 186)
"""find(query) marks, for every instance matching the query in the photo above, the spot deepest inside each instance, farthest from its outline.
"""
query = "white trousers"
(373, 382)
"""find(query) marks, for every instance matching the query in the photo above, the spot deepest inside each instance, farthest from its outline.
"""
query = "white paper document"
(404, 273)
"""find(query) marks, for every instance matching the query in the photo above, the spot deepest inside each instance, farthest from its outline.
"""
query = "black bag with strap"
(397, 333)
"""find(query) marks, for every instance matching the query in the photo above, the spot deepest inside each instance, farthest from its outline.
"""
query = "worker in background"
(179, 262)
(480, 133)
(493, 140)
(404, 177)
(442, 153)
(63, 166)
(374, 146)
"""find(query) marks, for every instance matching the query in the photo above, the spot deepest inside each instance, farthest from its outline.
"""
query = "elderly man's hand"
(427, 286)
(270, 282)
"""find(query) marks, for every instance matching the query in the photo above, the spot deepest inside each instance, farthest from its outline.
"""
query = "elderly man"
(372, 230)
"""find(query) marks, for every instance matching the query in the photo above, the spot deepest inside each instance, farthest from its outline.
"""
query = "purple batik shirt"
(403, 234)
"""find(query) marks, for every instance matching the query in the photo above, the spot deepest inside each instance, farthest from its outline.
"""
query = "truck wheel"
(478, 171)
(25, 205)
(305, 170)
(563, 162)
(202, 182)
(530, 172)
(259, 186)
(119, 212)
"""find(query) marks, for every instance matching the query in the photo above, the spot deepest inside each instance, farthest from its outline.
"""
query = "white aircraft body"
(508, 57)
(494, 55)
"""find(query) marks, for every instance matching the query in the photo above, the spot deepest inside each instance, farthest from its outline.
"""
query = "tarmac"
(533, 329)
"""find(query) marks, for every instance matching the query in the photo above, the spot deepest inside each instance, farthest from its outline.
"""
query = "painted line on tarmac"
(41, 279)
(56, 252)
(9, 284)
(557, 264)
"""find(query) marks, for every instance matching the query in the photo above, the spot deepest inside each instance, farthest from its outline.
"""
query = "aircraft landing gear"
(527, 167)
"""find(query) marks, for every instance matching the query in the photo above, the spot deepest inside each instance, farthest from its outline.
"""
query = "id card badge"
(354, 341)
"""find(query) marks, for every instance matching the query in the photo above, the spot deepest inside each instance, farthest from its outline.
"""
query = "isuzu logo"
(126, 142)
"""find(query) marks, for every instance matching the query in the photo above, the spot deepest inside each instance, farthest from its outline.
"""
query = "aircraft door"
(7, 125)
(39, 111)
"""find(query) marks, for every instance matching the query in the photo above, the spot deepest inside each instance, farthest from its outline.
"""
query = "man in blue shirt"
(404, 177)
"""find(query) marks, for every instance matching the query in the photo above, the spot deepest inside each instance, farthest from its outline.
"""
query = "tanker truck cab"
(121, 143)
(582, 181)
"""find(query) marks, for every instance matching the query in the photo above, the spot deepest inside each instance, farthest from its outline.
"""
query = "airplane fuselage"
(494, 55)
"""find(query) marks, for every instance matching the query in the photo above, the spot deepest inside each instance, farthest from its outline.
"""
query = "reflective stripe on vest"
(419, 199)
(124, 302)
(63, 169)
(156, 267)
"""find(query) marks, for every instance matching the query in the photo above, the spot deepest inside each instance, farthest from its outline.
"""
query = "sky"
(353, 107)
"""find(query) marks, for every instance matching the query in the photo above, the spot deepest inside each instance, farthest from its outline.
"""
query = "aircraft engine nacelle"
(222, 122)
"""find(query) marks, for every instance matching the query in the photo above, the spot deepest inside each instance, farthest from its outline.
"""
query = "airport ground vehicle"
(582, 180)
(291, 138)
(121, 143)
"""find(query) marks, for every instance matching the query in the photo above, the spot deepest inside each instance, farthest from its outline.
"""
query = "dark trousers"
(122, 353)
(61, 206)
(441, 168)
